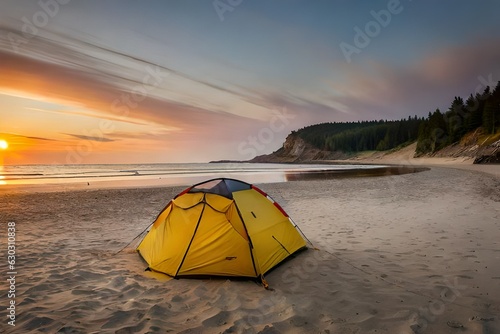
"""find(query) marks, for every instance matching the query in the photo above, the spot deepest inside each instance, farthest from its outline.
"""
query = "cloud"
(71, 86)
(88, 113)
(93, 68)
(85, 84)
(306, 110)
(388, 91)
(98, 139)
(13, 136)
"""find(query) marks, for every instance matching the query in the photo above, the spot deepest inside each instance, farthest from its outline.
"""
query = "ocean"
(165, 174)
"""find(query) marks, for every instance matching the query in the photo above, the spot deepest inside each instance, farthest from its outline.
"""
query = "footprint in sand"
(38, 322)
(465, 276)
(435, 276)
(176, 299)
(217, 320)
(470, 256)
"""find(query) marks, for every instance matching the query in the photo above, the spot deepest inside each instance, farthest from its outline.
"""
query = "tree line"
(479, 111)
(432, 133)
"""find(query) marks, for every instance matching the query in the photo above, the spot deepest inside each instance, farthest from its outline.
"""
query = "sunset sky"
(193, 81)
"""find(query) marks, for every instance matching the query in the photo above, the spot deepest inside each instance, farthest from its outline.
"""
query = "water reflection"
(2, 178)
(355, 172)
(108, 176)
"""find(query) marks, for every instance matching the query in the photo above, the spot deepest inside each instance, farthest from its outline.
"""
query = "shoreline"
(262, 175)
(382, 166)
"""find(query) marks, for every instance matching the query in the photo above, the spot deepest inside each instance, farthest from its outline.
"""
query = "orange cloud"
(390, 90)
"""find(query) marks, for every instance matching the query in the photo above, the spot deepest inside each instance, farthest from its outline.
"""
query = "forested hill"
(475, 122)
(361, 136)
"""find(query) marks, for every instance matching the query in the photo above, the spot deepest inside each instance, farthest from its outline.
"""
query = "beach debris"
(478, 318)
(454, 324)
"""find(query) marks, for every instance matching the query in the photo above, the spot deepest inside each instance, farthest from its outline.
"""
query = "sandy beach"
(412, 253)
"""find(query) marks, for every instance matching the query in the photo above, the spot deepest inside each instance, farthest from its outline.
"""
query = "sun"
(3, 144)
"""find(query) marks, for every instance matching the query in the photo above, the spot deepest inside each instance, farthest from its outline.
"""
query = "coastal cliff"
(296, 149)
(474, 147)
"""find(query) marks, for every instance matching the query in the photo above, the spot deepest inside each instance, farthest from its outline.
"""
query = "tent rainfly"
(222, 227)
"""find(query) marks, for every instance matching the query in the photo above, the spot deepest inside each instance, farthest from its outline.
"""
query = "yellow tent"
(221, 227)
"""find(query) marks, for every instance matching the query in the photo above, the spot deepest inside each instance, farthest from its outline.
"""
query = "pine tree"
(455, 119)
(495, 96)
(424, 137)
(489, 117)
(474, 116)
(438, 133)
